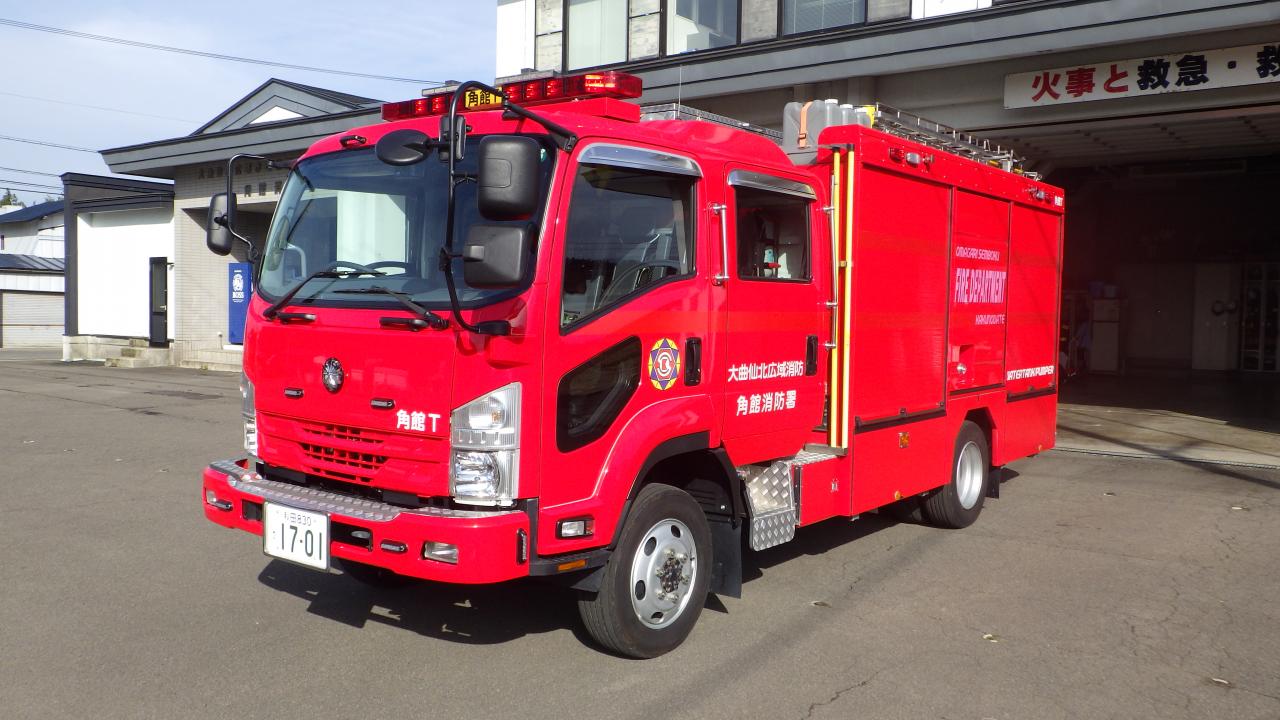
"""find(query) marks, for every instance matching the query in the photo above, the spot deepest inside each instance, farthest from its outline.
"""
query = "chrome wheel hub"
(969, 474)
(662, 573)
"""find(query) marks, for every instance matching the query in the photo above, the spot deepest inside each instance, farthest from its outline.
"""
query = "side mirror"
(218, 235)
(496, 256)
(508, 182)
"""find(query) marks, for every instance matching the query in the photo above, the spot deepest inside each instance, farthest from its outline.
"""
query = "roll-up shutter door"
(30, 319)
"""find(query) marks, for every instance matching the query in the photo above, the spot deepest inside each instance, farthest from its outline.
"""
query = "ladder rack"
(948, 139)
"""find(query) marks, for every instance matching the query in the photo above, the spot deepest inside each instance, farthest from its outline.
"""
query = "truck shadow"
(491, 614)
(474, 615)
(829, 534)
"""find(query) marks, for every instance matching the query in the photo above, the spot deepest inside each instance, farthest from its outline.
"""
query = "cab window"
(628, 230)
(773, 235)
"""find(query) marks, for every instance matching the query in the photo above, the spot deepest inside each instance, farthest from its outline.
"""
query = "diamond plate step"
(771, 493)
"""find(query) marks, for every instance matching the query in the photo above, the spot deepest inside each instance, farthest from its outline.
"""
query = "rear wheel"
(656, 581)
(958, 503)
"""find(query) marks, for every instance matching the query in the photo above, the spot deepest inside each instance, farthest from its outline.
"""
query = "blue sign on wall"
(239, 290)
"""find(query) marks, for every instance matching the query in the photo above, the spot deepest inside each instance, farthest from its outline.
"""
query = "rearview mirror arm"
(253, 251)
(565, 138)
(229, 222)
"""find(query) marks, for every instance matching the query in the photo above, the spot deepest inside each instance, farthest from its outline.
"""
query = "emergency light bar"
(609, 84)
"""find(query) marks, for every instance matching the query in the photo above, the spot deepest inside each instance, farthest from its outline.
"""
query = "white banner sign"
(1152, 75)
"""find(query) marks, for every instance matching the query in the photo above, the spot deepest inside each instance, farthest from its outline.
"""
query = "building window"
(881, 10)
(759, 20)
(597, 33)
(548, 40)
(801, 16)
(643, 29)
(701, 25)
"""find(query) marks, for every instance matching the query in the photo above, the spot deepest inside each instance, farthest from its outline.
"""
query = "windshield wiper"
(328, 272)
(425, 316)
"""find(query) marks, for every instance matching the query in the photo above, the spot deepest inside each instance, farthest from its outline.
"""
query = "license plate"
(299, 536)
(479, 99)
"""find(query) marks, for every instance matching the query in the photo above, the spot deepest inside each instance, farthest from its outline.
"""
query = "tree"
(8, 198)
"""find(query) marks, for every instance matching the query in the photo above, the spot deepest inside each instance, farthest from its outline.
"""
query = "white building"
(143, 288)
(31, 276)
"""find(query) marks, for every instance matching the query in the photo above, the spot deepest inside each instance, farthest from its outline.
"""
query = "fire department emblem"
(664, 364)
(332, 375)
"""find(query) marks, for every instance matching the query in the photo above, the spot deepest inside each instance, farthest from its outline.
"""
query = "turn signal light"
(608, 84)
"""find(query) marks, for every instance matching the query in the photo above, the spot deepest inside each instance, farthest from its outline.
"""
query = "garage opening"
(1171, 307)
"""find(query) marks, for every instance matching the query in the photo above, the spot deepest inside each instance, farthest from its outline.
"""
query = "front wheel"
(957, 504)
(656, 581)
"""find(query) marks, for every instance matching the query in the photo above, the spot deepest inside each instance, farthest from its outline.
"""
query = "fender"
(630, 446)
(726, 529)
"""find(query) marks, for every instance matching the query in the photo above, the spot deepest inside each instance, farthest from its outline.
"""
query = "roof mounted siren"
(543, 91)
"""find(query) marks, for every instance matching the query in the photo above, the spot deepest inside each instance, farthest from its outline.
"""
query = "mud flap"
(726, 561)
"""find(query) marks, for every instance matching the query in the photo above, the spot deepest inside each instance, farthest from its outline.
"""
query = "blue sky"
(174, 94)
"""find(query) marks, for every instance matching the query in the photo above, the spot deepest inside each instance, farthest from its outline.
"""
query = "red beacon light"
(608, 84)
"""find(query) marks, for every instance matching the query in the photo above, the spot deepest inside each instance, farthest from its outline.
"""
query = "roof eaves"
(237, 131)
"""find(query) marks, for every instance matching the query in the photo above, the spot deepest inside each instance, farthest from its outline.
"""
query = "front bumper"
(492, 546)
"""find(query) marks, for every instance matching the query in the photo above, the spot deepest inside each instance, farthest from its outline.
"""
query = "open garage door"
(1171, 323)
(30, 319)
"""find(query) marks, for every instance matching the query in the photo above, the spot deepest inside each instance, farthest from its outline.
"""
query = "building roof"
(10, 262)
(354, 101)
(35, 212)
(279, 100)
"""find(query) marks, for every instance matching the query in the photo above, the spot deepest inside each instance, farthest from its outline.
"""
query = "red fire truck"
(525, 332)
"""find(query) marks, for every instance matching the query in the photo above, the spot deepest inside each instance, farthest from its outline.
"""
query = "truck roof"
(708, 136)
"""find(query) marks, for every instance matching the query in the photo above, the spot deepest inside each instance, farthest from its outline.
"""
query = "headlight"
(249, 413)
(485, 458)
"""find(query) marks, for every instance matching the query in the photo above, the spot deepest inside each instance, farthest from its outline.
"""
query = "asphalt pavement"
(1094, 587)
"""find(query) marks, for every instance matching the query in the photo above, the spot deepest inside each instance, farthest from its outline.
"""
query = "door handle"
(693, 361)
(811, 355)
(721, 210)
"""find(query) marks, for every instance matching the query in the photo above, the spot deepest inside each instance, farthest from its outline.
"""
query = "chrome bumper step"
(327, 502)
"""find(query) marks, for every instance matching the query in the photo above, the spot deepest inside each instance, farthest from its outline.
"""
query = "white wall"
(31, 282)
(47, 244)
(51, 225)
(113, 251)
(515, 36)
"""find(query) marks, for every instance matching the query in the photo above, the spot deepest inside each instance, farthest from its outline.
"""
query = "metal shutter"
(29, 319)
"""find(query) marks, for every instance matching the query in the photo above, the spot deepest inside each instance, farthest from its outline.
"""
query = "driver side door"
(627, 321)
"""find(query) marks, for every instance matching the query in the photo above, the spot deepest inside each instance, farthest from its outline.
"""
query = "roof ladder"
(948, 139)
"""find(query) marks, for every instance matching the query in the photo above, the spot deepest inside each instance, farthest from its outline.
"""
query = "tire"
(372, 576)
(656, 581)
(958, 503)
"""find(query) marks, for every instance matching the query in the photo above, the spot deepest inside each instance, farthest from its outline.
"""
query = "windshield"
(349, 210)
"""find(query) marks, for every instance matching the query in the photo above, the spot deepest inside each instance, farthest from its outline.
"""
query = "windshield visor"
(348, 210)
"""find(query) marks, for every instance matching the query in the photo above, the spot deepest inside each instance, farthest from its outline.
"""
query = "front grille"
(341, 432)
(353, 466)
(339, 463)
